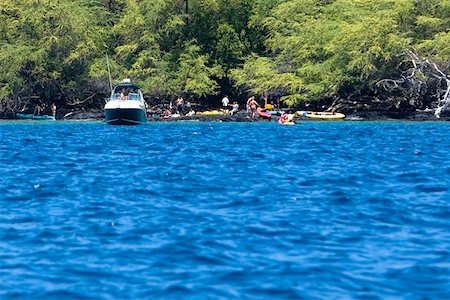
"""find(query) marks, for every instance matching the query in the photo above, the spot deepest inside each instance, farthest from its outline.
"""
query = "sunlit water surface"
(225, 210)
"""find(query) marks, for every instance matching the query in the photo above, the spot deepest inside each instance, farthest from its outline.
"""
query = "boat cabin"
(130, 89)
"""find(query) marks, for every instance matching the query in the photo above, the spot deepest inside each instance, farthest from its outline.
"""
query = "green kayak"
(33, 117)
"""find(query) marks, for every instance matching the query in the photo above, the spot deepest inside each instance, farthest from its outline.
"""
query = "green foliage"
(307, 49)
(193, 75)
(229, 49)
(429, 25)
(189, 75)
(151, 51)
(46, 46)
(321, 48)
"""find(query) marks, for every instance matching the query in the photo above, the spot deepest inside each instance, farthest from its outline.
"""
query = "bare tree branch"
(424, 80)
(81, 102)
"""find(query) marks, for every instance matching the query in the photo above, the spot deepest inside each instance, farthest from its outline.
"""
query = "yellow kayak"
(212, 112)
(321, 115)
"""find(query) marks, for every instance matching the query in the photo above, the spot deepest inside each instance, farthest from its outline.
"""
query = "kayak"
(33, 117)
(212, 113)
(320, 115)
(275, 112)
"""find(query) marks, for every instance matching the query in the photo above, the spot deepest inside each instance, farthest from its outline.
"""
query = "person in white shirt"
(225, 101)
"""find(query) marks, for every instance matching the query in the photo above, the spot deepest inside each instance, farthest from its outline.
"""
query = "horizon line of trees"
(57, 50)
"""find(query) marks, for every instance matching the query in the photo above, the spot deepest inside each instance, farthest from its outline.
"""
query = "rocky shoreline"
(97, 114)
(154, 115)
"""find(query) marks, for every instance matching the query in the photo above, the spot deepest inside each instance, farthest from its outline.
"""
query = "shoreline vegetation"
(375, 59)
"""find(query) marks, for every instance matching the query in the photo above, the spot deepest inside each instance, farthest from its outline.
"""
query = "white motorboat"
(126, 105)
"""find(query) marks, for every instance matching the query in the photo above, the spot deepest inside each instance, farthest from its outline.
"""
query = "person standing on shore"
(53, 108)
(180, 104)
(37, 110)
(278, 99)
(247, 107)
(252, 106)
(225, 101)
(235, 108)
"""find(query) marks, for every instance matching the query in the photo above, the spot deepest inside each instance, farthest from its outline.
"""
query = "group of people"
(39, 108)
(253, 108)
(124, 94)
(182, 108)
(287, 118)
(234, 105)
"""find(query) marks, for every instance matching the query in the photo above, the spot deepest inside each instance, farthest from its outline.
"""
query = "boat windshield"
(131, 96)
(129, 89)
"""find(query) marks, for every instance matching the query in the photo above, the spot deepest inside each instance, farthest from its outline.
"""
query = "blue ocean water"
(320, 210)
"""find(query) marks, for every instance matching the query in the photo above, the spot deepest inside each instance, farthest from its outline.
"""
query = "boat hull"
(126, 106)
(125, 116)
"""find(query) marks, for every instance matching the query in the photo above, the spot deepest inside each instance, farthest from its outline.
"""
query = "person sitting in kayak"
(286, 118)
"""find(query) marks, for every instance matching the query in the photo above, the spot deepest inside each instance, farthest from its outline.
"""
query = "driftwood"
(424, 85)
(82, 101)
(9, 106)
(25, 104)
(420, 86)
(444, 103)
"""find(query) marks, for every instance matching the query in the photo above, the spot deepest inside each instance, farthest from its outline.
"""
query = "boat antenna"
(109, 73)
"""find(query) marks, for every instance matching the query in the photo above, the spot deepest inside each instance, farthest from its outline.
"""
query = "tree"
(307, 49)
(321, 48)
(46, 49)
